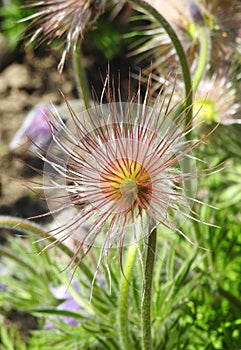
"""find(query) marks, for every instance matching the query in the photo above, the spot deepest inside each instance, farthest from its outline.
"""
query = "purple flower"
(35, 130)
(68, 304)
(39, 126)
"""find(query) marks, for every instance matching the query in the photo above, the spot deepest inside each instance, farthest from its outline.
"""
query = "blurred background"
(201, 307)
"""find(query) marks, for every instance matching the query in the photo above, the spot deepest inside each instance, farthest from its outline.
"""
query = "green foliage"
(10, 339)
(195, 301)
(107, 38)
(11, 13)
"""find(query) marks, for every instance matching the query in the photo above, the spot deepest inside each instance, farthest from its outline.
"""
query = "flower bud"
(35, 130)
(195, 13)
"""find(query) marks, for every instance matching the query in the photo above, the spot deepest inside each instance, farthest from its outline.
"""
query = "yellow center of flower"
(127, 181)
(192, 30)
(205, 111)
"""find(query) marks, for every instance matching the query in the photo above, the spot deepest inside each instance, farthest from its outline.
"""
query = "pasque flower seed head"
(118, 166)
(63, 20)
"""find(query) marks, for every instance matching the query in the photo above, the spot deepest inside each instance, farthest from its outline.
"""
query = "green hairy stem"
(125, 337)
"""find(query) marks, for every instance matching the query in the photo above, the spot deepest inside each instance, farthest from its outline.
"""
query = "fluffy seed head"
(65, 20)
(221, 18)
(216, 99)
(118, 167)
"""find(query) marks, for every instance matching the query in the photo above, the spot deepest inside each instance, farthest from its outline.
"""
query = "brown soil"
(22, 86)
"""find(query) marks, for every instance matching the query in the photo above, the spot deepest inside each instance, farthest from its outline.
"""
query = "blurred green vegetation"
(11, 12)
